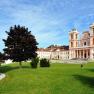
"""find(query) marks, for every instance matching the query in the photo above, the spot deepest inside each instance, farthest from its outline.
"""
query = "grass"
(58, 79)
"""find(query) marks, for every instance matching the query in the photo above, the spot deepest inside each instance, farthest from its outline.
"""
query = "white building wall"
(62, 55)
(44, 54)
(72, 54)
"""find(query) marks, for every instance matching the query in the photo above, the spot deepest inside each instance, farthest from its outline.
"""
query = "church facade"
(79, 48)
(82, 48)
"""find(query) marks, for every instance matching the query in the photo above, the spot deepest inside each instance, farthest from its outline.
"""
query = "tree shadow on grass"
(89, 81)
(92, 70)
(4, 69)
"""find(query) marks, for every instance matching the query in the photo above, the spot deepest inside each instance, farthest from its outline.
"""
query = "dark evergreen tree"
(20, 44)
(1, 58)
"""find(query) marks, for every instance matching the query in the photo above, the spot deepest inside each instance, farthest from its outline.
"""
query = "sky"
(49, 20)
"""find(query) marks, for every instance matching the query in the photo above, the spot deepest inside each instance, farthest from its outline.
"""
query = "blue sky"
(49, 20)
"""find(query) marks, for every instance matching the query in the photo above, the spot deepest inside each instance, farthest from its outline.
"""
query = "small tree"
(34, 62)
(20, 44)
(44, 63)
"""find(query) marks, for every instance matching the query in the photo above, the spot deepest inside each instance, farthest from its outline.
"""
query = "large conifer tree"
(20, 44)
(1, 58)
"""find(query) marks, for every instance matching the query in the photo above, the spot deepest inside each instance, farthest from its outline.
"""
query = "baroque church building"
(84, 47)
(79, 48)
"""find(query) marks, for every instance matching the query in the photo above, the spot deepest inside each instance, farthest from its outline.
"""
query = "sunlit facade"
(80, 47)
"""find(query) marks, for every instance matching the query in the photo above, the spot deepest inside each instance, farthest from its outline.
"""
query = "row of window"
(84, 44)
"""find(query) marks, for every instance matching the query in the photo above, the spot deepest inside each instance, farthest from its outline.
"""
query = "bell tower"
(92, 41)
(92, 34)
(73, 38)
(73, 43)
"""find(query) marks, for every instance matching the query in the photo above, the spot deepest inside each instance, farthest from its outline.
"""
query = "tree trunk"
(20, 63)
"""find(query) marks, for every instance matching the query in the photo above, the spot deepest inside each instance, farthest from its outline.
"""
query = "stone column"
(77, 53)
(86, 53)
(80, 53)
(83, 53)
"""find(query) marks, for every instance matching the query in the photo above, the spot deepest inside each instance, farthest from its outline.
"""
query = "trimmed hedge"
(44, 63)
(34, 62)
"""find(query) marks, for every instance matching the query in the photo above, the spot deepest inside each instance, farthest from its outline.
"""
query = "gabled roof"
(54, 48)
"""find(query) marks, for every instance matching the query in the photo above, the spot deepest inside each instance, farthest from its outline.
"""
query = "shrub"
(34, 62)
(44, 63)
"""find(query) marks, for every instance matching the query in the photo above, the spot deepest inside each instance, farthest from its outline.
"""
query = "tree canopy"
(20, 44)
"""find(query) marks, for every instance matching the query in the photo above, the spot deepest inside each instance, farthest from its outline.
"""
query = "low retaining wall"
(75, 61)
(70, 61)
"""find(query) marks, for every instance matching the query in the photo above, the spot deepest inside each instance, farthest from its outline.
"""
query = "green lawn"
(58, 79)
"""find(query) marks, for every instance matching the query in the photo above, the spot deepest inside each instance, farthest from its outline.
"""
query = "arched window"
(84, 43)
(76, 36)
(71, 36)
(71, 44)
(93, 41)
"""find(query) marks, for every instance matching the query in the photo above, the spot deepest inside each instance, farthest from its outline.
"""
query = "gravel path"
(2, 76)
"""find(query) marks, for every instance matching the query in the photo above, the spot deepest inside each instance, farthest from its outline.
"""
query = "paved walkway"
(2, 76)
